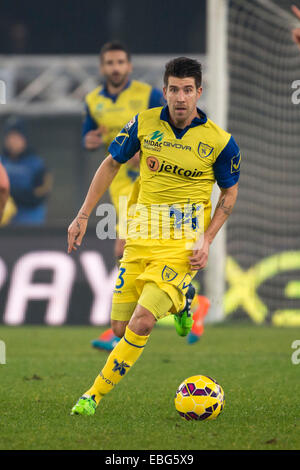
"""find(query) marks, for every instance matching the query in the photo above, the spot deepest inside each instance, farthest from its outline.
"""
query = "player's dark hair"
(183, 67)
(114, 46)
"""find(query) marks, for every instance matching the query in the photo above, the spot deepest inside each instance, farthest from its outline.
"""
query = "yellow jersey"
(177, 171)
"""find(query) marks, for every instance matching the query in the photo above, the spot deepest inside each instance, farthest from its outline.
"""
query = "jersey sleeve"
(227, 165)
(89, 124)
(126, 143)
(156, 98)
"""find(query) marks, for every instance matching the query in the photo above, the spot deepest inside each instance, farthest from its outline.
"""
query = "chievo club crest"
(168, 274)
(204, 150)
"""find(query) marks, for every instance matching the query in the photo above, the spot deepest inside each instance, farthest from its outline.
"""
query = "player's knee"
(142, 321)
(118, 328)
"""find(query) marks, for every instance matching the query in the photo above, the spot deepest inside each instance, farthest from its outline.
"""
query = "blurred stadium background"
(49, 61)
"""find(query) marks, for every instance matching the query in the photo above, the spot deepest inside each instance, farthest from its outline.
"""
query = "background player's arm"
(100, 183)
(91, 132)
(4, 189)
(296, 31)
(93, 139)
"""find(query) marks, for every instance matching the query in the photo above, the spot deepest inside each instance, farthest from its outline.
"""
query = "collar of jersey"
(179, 133)
(104, 91)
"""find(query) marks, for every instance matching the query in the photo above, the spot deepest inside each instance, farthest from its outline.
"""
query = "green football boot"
(184, 319)
(85, 406)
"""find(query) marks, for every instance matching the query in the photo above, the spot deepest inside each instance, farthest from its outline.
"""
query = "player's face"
(182, 95)
(116, 68)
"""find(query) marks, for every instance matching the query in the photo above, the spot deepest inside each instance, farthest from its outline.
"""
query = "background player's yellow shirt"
(113, 113)
(178, 166)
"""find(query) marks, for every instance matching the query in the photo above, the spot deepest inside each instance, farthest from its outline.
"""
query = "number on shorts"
(121, 283)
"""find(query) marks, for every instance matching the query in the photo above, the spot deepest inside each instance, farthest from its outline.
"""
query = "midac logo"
(157, 135)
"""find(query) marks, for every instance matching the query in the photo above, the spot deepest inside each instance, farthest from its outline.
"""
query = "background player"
(147, 289)
(108, 108)
(30, 180)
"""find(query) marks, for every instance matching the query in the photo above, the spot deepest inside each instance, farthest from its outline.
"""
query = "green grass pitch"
(47, 369)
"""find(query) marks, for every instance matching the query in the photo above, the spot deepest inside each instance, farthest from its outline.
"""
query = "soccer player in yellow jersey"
(182, 154)
(107, 109)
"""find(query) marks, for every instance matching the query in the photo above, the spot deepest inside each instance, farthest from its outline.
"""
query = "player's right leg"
(117, 362)
(120, 316)
(152, 302)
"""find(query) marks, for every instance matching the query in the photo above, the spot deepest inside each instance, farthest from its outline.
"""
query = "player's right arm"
(100, 183)
(123, 147)
(4, 189)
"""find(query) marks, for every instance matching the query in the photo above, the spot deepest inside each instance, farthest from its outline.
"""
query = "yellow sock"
(120, 360)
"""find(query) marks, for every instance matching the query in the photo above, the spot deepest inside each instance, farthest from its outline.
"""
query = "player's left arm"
(227, 172)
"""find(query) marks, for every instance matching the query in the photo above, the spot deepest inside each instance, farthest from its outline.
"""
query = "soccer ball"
(200, 398)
